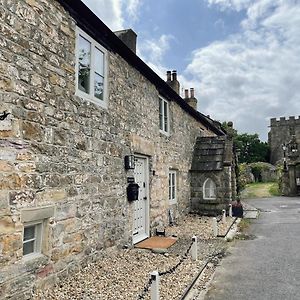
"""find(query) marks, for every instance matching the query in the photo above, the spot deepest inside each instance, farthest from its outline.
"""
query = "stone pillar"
(292, 181)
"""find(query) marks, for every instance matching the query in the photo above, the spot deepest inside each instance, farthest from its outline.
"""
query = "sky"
(241, 56)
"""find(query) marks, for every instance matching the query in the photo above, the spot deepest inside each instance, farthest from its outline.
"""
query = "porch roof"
(209, 154)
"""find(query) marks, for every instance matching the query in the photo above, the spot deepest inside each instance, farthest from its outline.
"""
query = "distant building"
(284, 141)
(281, 132)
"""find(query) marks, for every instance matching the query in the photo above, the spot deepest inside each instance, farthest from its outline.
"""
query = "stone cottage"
(82, 120)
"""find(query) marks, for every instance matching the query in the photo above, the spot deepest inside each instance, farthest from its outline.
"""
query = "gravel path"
(122, 274)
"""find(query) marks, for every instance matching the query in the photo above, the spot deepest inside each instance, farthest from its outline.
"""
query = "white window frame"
(172, 192)
(90, 96)
(165, 114)
(38, 238)
(205, 189)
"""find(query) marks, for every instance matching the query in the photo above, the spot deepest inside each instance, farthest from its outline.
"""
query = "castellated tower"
(281, 132)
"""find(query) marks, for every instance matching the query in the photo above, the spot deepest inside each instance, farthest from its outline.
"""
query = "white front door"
(141, 206)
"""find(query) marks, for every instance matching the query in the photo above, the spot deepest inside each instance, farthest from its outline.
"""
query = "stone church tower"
(284, 141)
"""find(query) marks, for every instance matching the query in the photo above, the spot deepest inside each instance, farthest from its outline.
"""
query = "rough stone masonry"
(62, 157)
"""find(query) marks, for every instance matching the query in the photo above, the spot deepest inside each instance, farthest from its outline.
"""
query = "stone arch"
(209, 189)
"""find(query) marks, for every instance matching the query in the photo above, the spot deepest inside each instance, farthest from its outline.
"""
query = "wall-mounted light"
(129, 162)
(284, 148)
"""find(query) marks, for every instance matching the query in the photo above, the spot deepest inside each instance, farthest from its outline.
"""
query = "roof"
(209, 154)
(93, 26)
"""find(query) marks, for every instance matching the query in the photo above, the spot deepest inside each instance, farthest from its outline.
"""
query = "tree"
(249, 147)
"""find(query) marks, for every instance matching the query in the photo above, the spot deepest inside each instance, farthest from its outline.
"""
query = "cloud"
(155, 49)
(132, 8)
(254, 75)
(219, 24)
(152, 51)
(237, 5)
(115, 13)
(110, 12)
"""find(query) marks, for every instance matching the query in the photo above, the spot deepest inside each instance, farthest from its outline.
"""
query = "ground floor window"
(32, 238)
(36, 228)
(209, 189)
(172, 187)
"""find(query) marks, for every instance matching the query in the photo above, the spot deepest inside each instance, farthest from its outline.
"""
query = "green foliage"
(243, 177)
(259, 190)
(257, 169)
(274, 189)
(250, 148)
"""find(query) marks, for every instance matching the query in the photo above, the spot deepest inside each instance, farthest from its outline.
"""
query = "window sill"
(172, 202)
(166, 134)
(94, 100)
(210, 199)
(33, 256)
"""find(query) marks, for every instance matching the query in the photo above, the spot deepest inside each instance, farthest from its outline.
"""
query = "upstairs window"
(91, 69)
(209, 189)
(172, 187)
(163, 115)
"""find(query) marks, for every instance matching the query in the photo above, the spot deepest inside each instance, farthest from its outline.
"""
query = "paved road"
(267, 267)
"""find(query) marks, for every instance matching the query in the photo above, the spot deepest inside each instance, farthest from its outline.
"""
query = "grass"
(260, 190)
(274, 189)
(244, 225)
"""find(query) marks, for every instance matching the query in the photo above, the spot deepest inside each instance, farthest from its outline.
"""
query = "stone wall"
(64, 155)
(281, 132)
(214, 158)
(225, 186)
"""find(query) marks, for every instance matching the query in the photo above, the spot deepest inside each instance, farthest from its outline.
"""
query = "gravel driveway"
(123, 274)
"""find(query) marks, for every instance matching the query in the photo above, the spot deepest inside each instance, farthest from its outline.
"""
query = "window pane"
(29, 233)
(99, 61)
(84, 49)
(173, 179)
(160, 114)
(213, 192)
(165, 116)
(170, 188)
(98, 86)
(28, 247)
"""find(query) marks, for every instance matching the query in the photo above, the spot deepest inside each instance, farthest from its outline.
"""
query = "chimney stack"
(191, 100)
(172, 81)
(128, 37)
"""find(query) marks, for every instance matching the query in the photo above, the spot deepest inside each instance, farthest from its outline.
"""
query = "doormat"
(156, 242)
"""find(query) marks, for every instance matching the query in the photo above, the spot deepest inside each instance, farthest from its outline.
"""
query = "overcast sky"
(241, 56)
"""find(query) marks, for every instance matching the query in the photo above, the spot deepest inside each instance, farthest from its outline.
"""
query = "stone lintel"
(37, 213)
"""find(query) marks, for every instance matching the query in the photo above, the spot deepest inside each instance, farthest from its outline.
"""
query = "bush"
(263, 172)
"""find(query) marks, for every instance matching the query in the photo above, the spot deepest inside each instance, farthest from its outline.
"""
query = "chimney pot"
(174, 75)
(168, 75)
(186, 93)
(192, 92)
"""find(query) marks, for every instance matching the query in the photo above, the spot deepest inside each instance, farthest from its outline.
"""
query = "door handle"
(145, 198)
